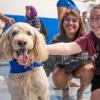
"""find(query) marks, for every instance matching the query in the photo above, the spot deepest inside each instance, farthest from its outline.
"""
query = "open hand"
(11, 21)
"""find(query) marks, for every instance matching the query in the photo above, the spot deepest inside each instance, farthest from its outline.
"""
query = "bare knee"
(60, 78)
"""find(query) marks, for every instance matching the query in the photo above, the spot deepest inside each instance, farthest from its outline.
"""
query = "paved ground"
(55, 94)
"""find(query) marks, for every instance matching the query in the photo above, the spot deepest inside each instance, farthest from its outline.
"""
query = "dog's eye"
(14, 33)
(29, 33)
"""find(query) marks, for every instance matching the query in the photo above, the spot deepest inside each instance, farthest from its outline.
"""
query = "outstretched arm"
(64, 48)
(6, 19)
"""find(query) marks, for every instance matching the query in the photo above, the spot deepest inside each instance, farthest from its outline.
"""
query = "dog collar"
(16, 68)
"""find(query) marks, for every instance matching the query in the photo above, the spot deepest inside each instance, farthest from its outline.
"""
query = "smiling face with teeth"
(95, 21)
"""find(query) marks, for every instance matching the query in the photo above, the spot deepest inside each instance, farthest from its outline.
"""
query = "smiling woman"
(66, 67)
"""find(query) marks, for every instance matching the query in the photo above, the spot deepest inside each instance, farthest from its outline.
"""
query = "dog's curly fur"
(30, 85)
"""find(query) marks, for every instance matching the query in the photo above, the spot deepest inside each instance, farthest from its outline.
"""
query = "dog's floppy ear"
(5, 46)
(40, 46)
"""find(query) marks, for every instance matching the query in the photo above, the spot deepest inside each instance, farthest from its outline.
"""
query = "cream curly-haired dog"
(22, 44)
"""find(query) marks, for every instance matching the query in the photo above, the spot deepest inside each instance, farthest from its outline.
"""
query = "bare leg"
(60, 79)
(85, 74)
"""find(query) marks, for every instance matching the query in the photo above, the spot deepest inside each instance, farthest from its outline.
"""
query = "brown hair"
(77, 15)
(96, 6)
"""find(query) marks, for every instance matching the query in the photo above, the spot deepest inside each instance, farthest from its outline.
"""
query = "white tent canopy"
(45, 8)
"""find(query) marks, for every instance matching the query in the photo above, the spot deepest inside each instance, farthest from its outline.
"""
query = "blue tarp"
(50, 23)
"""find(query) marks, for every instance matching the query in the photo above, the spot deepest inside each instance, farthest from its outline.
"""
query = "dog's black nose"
(22, 43)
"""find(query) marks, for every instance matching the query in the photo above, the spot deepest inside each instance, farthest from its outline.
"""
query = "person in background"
(86, 21)
(6, 19)
(33, 20)
(89, 42)
(64, 5)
